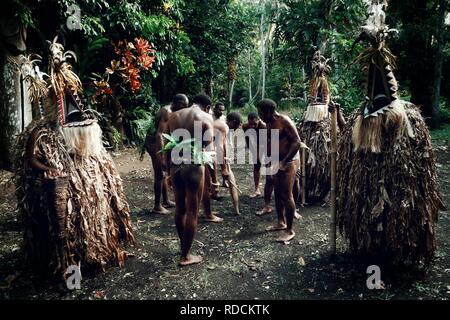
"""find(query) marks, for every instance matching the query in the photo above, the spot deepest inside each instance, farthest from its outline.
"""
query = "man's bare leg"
(209, 215)
(281, 219)
(233, 191)
(180, 207)
(193, 188)
(268, 190)
(158, 183)
(190, 226)
(285, 183)
(167, 203)
(256, 179)
(296, 193)
(214, 184)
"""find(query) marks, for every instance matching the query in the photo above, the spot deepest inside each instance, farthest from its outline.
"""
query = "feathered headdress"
(62, 77)
(66, 86)
(319, 91)
(378, 61)
(382, 107)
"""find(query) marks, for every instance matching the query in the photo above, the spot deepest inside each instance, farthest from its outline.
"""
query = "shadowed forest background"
(236, 51)
(133, 56)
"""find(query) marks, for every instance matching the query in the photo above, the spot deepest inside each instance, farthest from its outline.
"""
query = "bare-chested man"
(180, 101)
(285, 168)
(189, 179)
(255, 123)
(221, 135)
(218, 113)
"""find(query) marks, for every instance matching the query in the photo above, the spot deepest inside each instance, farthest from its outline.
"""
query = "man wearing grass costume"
(189, 152)
(315, 131)
(69, 191)
(388, 201)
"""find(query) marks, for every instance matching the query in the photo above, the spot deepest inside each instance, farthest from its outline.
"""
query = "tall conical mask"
(378, 62)
(65, 86)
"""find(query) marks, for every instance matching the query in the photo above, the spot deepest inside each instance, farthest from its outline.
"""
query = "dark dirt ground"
(242, 261)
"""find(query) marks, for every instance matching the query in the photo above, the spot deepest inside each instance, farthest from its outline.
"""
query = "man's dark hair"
(253, 116)
(267, 105)
(218, 104)
(179, 99)
(234, 116)
(202, 100)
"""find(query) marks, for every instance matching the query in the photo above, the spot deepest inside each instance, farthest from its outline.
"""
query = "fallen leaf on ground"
(301, 262)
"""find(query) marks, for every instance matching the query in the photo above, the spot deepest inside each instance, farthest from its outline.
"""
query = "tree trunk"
(305, 87)
(15, 107)
(231, 94)
(435, 103)
(210, 91)
(250, 96)
(232, 75)
(263, 52)
(208, 85)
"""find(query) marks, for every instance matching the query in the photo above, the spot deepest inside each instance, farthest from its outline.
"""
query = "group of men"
(385, 193)
(196, 183)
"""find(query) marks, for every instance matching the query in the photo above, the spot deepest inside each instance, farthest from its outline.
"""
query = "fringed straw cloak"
(80, 218)
(316, 135)
(314, 131)
(388, 200)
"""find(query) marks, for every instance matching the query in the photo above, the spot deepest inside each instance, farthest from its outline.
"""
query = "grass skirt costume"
(314, 131)
(81, 217)
(388, 199)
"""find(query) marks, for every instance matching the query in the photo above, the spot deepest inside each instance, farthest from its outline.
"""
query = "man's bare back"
(189, 179)
(153, 143)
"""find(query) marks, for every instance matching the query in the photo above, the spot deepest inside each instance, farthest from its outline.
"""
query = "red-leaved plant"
(132, 58)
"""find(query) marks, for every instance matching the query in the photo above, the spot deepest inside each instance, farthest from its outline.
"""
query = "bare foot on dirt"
(263, 211)
(160, 210)
(189, 260)
(277, 227)
(297, 215)
(255, 194)
(213, 218)
(286, 236)
(169, 204)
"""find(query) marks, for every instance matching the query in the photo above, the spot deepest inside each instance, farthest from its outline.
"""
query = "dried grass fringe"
(84, 141)
(82, 218)
(316, 135)
(367, 131)
(316, 113)
(388, 200)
